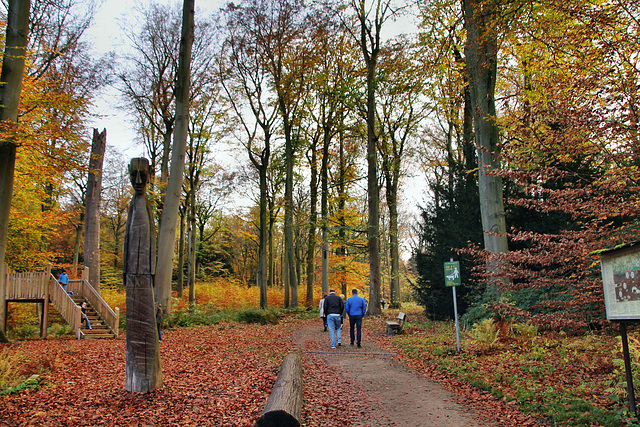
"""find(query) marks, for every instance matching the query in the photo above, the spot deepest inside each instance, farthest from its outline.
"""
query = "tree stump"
(285, 403)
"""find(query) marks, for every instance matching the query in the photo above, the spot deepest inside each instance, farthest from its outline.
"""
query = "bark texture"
(169, 219)
(285, 402)
(482, 57)
(92, 209)
(10, 88)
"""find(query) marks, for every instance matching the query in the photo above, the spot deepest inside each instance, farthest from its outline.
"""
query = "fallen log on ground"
(285, 402)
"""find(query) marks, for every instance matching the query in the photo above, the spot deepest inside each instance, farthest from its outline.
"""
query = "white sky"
(105, 36)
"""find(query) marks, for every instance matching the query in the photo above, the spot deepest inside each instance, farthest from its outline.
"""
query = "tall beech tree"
(570, 122)
(481, 18)
(277, 28)
(399, 116)
(169, 219)
(13, 65)
(370, 20)
(149, 85)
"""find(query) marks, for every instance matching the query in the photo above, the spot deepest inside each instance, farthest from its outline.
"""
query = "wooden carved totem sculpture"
(143, 356)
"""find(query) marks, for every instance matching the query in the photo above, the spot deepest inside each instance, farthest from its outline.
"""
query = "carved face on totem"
(139, 174)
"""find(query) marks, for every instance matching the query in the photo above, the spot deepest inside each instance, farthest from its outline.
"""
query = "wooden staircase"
(99, 328)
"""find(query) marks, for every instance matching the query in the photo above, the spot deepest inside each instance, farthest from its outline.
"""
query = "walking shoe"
(325, 329)
(333, 348)
(351, 344)
(359, 346)
(339, 344)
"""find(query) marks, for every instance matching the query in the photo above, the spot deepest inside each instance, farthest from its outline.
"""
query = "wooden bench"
(396, 327)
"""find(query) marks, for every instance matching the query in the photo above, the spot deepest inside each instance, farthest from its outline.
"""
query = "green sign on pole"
(452, 273)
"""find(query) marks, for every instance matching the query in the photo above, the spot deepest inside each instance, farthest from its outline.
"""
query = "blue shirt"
(63, 279)
(356, 306)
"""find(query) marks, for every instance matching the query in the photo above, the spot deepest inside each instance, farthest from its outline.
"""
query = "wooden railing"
(110, 317)
(68, 309)
(43, 286)
(26, 286)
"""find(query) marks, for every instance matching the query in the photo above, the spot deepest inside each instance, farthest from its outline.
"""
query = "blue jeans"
(357, 322)
(333, 321)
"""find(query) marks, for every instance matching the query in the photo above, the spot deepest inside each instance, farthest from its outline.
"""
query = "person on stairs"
(83, 308)
(63, 279)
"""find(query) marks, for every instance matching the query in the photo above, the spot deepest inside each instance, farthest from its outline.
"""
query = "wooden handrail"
(110, 317)
(68, 309)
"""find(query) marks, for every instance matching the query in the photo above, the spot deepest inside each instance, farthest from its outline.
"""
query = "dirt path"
(394, 395)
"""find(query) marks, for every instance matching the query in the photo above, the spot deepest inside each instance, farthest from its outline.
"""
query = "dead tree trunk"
(92, 210)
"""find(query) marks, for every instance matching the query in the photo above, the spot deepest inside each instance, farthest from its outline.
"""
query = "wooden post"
(627, 367)
(45, 304)
(284, 406)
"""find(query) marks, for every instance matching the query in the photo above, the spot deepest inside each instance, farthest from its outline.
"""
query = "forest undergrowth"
(561, 379)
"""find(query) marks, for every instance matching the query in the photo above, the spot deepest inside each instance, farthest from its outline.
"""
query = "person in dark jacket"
(333, 309)
(356, 308)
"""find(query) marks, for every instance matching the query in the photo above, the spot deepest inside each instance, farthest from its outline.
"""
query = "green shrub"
(198, 317)
(524, 332)
(254, 315)
(23, 332)
(59, 330)
(10, 374)
(486, 333)
(31, 383)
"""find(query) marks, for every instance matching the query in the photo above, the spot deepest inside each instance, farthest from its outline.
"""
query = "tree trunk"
(394, 249)
(180, 284)
(313, 219)
(342, 223)
(284, 405)
(373, 225)
(92, 209)
(76, 245)
(290, 259)
(324, 209)
(11, 79)
(191, 262)
(265, 227)
(169, 218)
(482, 53)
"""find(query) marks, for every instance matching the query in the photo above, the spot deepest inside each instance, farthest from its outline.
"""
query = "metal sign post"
(621, 280)
(452, 278)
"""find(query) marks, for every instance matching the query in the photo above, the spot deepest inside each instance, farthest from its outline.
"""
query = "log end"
(277, 419)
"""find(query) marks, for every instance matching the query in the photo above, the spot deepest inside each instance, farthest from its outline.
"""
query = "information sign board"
(452, 273)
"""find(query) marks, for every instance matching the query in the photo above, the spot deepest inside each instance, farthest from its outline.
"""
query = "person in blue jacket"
(63, 279)
(356, 307)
